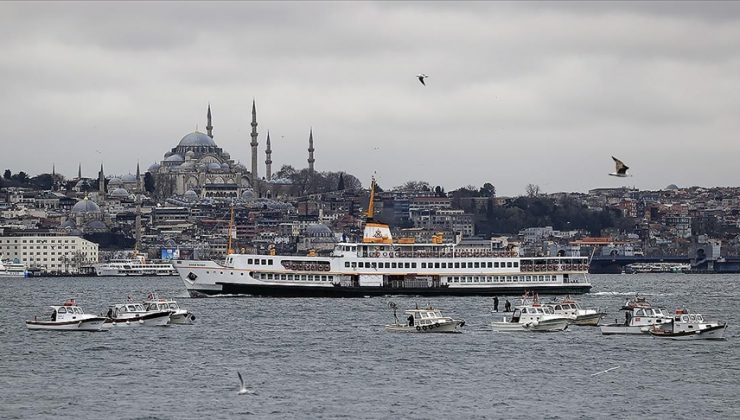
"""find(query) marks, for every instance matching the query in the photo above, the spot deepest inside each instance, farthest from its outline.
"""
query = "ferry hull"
(234, 289)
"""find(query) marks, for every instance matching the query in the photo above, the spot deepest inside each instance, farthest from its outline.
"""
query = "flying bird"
(421, 78)
(621, 168)
(243, 388)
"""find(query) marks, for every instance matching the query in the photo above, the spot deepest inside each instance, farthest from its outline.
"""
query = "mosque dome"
(119, 193)
(174, 158)
(196, 138)
(128, 178)
(168, 154)
(85, 206)
(154, 168)
(69, 224)
(115, 181)
(213, 166)
(189, 154)
(225, 166)
(319, 229)
(187, 165)
(191, 195)
(672, 187)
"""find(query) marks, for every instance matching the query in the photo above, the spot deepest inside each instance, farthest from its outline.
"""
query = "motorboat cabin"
(178, 316)
(130, 314)
(532, 317)
(639, 316)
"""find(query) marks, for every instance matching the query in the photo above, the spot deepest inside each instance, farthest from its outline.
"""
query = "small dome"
(154, 167)
(128, 178)
(318, 229)
(672, 187)
(190, 194)
(187, 165)
(196, 138)
(248, 195)
(225, 155)
(85, 206)
(174, 158)
(68, 224)
(225, 166)
(115, 181)
(96, 225)
(119, 193)
(213, 166)
(189, 154)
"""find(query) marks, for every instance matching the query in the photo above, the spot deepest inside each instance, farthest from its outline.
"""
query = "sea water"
(331, 358)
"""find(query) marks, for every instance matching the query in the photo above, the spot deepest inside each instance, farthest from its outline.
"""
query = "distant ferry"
(656, 268)
(12, 269)
(378, 266)
(136, 266)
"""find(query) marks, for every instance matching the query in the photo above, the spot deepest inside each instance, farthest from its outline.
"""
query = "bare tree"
(533, 190)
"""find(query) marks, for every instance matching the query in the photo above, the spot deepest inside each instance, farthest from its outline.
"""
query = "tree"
(7, 174)
(21, 177)
(533, 190)
(488, 190)
(414, 186)
(340, 187)
(43, 181)
(149, 185)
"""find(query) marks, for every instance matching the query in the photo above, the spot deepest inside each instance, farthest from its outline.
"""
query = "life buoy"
(418, 328)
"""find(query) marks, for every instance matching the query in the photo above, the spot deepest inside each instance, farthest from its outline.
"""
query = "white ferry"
(12, 269)
(380, 266)
(136, 266)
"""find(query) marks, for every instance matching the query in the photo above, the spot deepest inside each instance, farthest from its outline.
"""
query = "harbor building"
(51, 254)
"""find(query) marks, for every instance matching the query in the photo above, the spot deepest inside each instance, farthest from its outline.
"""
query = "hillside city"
(56, 225)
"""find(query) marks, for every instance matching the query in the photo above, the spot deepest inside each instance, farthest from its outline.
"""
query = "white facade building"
(53, 254)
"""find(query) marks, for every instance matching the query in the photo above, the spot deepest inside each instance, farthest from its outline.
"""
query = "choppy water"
(330, 358)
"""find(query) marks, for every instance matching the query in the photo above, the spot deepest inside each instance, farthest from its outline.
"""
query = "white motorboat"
(178, 315)
(12, 269)
(532, 317)
(134, 314)
(689, 326)
(639, 317)
(68, 317)
(580, 316)
(425, 320)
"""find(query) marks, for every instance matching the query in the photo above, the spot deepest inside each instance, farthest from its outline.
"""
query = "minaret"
(138, 223)
(53, 177)
(209, 127)
(79, 171)
(138, 178)
(101, 181)
(254, 143)
(268, 161)
(311, 160)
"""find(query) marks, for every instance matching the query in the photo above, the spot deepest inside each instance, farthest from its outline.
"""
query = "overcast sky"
(519, 93)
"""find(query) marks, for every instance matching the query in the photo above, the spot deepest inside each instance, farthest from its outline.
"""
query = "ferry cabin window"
(457, 265)
(516, 264)
(354, 264)
(477, 265)
(269, 262)
(508, 264)
(387, 265)
(423, 265)
(495, 264)
(490, 264)
(264, 262)
(249, 261)
(436, 265)
(361, 264)
(346, 264)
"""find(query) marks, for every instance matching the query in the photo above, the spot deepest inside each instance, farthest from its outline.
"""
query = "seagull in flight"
(243, 388)
(621, 168)
(421, 77)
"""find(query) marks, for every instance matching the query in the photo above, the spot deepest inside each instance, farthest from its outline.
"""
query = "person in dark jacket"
(495, 304)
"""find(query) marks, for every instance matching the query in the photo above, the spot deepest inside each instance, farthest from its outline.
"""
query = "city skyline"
(517, 94)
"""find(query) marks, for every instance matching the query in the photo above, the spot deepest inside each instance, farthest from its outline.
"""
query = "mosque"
(198, 167)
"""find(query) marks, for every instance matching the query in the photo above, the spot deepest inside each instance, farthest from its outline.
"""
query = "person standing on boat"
(411, 320)
(507, 306)
(495, 304)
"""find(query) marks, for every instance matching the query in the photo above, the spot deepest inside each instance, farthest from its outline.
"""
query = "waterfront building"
(51, 254)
